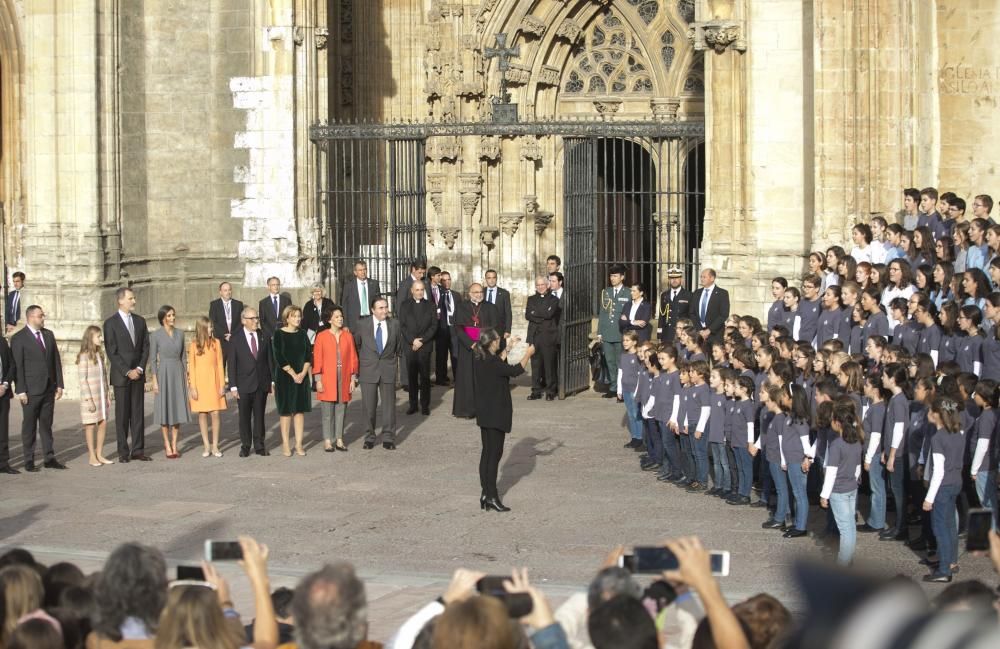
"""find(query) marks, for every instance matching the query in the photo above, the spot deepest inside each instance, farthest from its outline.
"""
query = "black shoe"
(868, 529)
(389, 446)
(725, 495)
(54, 464)
(550, 397)
(641, 448)
(412, 409)
(534, 397)
(425, 411)
(685, 483)
(739, 500)
(888, 534)
(123, 459)
(651, 467)
(141, 457)
(633, 443)
(663, 478)
(263, 452)
(244, 452)
(494, 504)
(758, 503)
(930, 563)
(935, 578)
(794, 533)
(9, 469)
(771, 524)
(609, 395)
(917, 545)
(31, 468)
(714, 491)
(369, 445)
(696, 487)
(482, 500)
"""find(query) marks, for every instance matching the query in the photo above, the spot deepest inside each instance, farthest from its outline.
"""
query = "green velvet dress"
(292, 349)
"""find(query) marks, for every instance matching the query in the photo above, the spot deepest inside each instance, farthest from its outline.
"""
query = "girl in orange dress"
(206, 382)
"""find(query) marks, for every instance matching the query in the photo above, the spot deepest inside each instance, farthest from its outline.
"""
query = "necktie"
(364, 298)
(673, 294)
(229, 316)
(492, 301)
(378, 338)
(38, 337)
(131, 328)
(253, 345)
(447, 305)
(274, 299)
(704, 305)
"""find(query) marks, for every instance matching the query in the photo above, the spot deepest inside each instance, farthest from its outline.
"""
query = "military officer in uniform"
(613, 300)
(675, 304)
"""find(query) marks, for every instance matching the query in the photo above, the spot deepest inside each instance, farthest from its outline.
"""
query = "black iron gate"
(638, 201)
(372, 193)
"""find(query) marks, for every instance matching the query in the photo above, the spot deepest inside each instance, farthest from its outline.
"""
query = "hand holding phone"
(190, 573)
(223, 551)
(657, 559)
(518, 604)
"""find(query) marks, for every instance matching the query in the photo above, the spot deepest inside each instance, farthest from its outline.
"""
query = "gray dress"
(169, 358)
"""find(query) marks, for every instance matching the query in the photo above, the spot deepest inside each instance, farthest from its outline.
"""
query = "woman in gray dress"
(169, 356)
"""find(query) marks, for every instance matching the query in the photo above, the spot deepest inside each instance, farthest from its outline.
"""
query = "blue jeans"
(671, 450)
(767, 494)
(633, 416)
(780, 481)
(798, 481)
(944, 521)
(687, 455)
(720, 466)
(744, 470)
(842, 506)
(651, 436)
(876, 479)
(986, 488)
(700, 447)
(897, 482)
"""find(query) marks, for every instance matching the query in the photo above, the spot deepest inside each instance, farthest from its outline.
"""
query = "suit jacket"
(312, 318)
(644, 313)
(246, 373)
(265, 309)
(502, 303)
(377, 367)
(37, 370)
(12, 310)
(351, 302)
(680, 307)
(611, 310)
(8, 371)
(542, 313)
(123, 356)
(417, 321)
(217, 314)
(716, 312)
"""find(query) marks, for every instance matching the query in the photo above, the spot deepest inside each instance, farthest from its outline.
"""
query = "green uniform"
(607, 327)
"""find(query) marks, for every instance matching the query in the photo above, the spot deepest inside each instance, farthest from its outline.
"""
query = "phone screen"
(194, 573)
(654, 560)
(980, 523)
(223, 551)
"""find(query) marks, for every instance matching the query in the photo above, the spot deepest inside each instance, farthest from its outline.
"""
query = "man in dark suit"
(500, 298)
(417, 271)
(675, 304)
(542, 313)
(445, 342)
(418, 326)
(39, 385)
(126, 342)
(357, 296)
(710, 306)
(12, 308)
(249, 369)
(224, 312)
(379, 343)
(7, 376)
(271, 307)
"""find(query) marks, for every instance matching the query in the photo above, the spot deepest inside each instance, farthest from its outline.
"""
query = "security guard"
(675, 304)
(613, 299)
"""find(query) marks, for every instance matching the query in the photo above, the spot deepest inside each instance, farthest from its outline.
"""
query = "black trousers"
(442, 350)
(544, 372)
(489, 460)
(5, 430)
(38, 423)
(418, 375)
(251, 406)
(129, 417)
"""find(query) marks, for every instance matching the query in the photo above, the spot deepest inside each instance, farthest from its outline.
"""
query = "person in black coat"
(417, 271)
(500, 298)
(312, 311)
(636, 315)
(710, 312)
(675, 304)
(272, 306)
(224, 313)
(39, 385)
(471, 317)
(542, 311)
(249, 370)
(357, 297)
(494, 409)
(7, 375)
(126, 342)
(418, 326)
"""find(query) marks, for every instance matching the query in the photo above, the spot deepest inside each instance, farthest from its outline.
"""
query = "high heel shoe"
(494, 504)
(482, 501)
(300, 451)
(287, 452)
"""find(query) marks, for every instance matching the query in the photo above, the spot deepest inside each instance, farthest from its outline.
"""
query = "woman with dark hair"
(895, 431)
(923, 244)
(991, 342)
(636, 315)
(947, 452)
(976, 287)
(944, 249)
(900, 285)
(130, 593)
(833, 256)
(291, 353)
(494, 410)
(847, 270)
(941, 276)
(335, 369)
(168, 355)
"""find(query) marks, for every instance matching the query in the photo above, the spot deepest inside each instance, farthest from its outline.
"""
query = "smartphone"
(654, 560)
(980, 524)
(190, 573)
(223, 551)
(518, 604)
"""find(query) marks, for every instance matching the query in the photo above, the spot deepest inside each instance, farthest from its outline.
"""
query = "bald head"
(417, 291)
(476, 293)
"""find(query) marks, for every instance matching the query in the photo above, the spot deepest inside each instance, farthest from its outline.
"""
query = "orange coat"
(325, 363)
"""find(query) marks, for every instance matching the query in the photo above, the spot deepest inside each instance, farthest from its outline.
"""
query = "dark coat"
(246, 373)
(716, 312)
(502, 303)
(265, 309)
(644, 313)
(680, 307)
(542, 313)
(37, 370)
(9, 373)
(418, 321)
(123, 356)
(351, 302)
(217, 314)
(494, 408)
(312, 318)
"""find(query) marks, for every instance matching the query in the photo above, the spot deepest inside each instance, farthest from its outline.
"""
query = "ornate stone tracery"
(610, 62)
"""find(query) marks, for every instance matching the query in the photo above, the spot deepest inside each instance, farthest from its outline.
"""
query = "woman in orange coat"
(206, 382)
(335, 370)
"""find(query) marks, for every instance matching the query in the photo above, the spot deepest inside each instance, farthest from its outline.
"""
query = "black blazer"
(542, 313)
(493, 405)
(680, 307)
(265, 309)
(644, 313)
(123, 356)
(403, 292)
(38, 370)
(12, 311)
(217, 314)
(716, 312)
(351, 302)
(9, 372)
(417, 321)
(246, 373)
(312, 318)
(502, 304)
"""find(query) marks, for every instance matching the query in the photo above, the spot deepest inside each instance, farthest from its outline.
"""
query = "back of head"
(132, 584)
(622, 622)
(35, 634)
(610, 582)
(58, 577)
(22, 589)
(193, 617)
(479, 622)
(330, 609)
(765, 618)
(966, 596)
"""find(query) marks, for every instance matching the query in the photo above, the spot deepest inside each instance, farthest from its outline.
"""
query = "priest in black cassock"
(471, 317)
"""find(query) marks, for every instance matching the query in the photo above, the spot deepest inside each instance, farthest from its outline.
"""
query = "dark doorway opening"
(694, 205)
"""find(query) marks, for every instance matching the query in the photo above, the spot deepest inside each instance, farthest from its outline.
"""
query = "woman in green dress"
(292, 356)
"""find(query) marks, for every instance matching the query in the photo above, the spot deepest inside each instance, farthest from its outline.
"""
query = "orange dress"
(206, 376)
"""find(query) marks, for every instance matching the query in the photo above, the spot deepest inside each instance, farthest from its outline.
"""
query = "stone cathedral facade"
(166, 145)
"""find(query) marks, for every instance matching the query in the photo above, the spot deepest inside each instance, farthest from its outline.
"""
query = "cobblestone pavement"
(405, 518)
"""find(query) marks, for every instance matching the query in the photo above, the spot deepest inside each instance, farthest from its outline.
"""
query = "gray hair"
(247, 310)
(133, 583)
(610, 582)
(330, 609)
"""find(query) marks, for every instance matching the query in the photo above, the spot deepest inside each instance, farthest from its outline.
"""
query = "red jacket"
(325, 363)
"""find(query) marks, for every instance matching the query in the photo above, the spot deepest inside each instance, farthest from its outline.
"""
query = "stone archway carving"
(11, 141)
